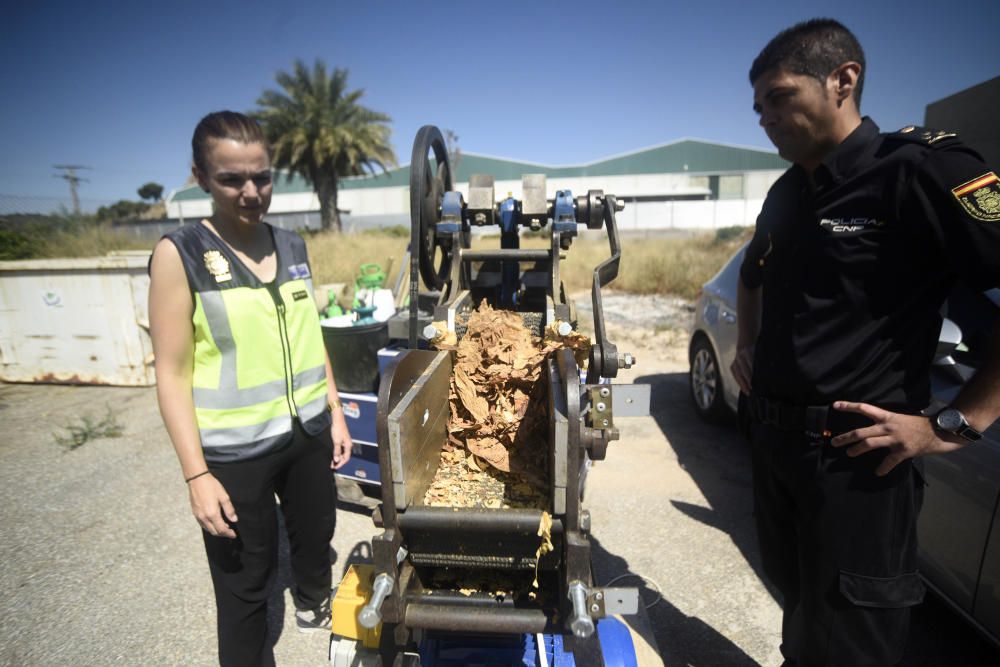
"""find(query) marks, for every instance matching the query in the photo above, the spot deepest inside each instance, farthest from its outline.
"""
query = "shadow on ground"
(701, 644)
(718, 459)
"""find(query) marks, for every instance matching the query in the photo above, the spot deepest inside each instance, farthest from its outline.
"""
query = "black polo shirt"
(856, 262)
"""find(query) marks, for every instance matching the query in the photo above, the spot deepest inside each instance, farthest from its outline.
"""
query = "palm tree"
(317, 129)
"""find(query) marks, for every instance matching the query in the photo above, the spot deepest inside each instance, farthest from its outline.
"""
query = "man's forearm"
(979, 399)
(748, 307)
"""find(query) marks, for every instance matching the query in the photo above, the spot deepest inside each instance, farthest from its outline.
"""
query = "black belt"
(789, 417)
(820, 419)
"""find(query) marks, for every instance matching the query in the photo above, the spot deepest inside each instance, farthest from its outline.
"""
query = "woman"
(246, 390)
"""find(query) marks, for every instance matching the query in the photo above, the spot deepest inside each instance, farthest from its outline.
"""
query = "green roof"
(683, 156)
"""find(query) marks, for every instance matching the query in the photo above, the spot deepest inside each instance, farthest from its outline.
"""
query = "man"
(855, 250)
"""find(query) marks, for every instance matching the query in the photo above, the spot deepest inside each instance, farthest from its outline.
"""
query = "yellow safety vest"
(259, 358)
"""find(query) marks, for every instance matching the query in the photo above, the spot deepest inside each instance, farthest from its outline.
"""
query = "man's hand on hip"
(742, 368)
(906, 436)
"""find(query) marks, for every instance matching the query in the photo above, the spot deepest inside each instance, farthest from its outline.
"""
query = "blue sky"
(119, 86)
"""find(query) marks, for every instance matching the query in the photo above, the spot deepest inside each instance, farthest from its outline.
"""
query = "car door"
(720, 312)
(958, 531)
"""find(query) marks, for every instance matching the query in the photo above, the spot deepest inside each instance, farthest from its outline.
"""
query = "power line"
(73, 180)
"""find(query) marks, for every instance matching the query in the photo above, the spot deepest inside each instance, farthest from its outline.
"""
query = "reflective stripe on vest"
(244, 393)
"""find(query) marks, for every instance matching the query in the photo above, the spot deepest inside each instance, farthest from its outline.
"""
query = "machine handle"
(371, 614)
(580, 623)
(604, 361)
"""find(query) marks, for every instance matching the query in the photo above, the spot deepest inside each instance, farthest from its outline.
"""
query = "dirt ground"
(101, 562)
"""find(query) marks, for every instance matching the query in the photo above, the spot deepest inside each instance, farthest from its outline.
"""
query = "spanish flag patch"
(980, 197)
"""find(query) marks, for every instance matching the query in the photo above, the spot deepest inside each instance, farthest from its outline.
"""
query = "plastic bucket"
(353, 354)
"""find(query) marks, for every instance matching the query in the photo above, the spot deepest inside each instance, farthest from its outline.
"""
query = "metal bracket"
(451, 213)
(564, 214)
(603, 602)
(630, 400)
(601, 408)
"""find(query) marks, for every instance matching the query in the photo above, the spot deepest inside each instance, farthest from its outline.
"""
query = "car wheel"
(705, 382)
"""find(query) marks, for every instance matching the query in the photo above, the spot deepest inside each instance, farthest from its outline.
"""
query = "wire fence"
(16, 204)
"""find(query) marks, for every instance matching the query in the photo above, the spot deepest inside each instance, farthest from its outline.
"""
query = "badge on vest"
(298, 271)
(217, 265)
(980, 197)
(301, 294)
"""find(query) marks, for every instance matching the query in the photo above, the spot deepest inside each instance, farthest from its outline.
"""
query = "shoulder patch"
(980, 197)
(922, 135)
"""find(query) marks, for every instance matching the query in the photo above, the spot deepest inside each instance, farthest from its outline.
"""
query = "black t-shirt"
(855, 265)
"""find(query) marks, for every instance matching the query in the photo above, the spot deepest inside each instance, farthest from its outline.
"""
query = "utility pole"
(73, 179)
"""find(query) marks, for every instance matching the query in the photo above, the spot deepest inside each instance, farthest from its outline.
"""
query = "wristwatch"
(952, 421)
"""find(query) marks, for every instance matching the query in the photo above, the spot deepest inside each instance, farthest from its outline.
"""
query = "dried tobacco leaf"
(498, 413)
(544, 532)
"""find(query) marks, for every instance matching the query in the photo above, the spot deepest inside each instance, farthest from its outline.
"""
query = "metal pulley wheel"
(428, 183)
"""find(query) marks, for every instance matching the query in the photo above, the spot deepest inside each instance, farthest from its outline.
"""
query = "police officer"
(246, 391)
(855, 250)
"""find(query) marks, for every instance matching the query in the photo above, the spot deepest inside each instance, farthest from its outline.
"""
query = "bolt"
(565, 328)
(582, 627)
(605, 392)
(601, 407)
(585, 521)
(598, 595)
(595, 608)
(619, 205)
(604, 422)
(431, 332)
(626, 360)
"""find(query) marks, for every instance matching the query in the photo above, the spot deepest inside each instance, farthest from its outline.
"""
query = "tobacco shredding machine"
(410, 602)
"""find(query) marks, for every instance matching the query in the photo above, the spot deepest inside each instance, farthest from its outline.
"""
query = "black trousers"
(840, 544)
(243, 569)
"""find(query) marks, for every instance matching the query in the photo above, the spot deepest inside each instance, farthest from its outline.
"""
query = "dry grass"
(674, 265)
(651, 265)
(335, 258)
(86, 240)
(654, 265)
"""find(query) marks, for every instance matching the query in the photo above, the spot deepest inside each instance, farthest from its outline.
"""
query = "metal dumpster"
(79, 321)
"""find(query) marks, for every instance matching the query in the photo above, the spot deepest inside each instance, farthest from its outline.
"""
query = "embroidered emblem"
(927, 136)
(980, 197)
(217, 265)
(931, 137)
(298, 271)
(844, 225)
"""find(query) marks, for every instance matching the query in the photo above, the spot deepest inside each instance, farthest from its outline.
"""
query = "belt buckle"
(768, 411)
(774, 413)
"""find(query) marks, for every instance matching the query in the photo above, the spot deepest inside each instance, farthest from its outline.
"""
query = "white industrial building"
(688, 184)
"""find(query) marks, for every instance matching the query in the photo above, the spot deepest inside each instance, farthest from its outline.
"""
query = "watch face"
(950, 420)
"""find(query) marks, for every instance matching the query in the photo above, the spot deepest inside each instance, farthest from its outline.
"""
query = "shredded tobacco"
(496, 454)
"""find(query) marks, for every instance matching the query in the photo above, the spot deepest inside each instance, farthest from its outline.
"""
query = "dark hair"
(224, 125)
(813, 48)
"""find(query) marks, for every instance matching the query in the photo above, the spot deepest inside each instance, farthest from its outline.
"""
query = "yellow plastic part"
(352, 594)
